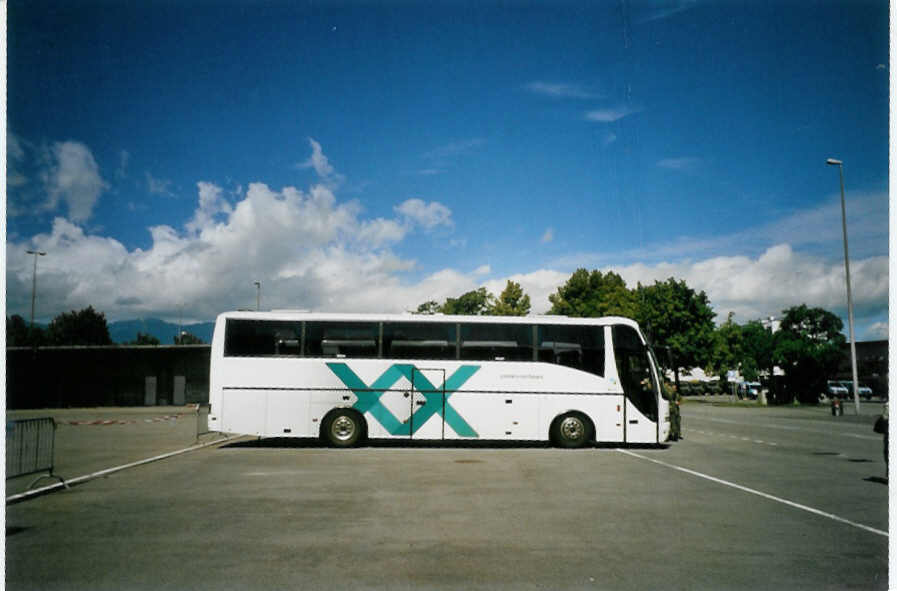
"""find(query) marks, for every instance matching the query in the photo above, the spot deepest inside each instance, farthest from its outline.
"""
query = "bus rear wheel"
(342, 428)
(571, 430)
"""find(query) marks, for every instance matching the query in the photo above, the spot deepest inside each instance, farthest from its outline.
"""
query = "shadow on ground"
(313, 442)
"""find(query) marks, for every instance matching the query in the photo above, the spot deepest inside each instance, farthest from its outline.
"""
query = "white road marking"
(789, 428)
(757, 492)
(86, 477)
(759, 441)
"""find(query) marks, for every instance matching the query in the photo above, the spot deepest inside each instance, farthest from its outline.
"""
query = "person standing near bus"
(672, 394)
(881, 426)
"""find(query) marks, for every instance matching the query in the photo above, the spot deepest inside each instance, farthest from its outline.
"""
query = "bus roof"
(435, 318)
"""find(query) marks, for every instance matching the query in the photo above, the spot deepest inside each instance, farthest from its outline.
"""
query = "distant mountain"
(125, 331)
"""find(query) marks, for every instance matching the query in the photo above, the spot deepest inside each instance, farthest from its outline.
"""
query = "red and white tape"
(123, 421)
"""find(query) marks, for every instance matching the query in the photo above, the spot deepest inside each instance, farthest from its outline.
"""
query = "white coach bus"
(346, 377)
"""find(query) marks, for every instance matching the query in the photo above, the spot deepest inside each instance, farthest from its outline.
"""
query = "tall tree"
(757, 350)
(472, 303)
(19, 334)
(593, 294)
(429, 307)
(674, 316)
(16, 331)
(511, 302)
(84, 327)
(808, 347)
(726, 352)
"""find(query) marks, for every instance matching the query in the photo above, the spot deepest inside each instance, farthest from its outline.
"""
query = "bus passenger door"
(639, 385)
(428, 403)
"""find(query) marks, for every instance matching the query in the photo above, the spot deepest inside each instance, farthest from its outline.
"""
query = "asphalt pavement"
(752, 498)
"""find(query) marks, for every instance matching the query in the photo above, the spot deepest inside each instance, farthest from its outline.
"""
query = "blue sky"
(371, 156)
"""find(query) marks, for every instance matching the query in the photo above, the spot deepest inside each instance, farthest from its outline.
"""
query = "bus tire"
(342, 427)
(571, 430)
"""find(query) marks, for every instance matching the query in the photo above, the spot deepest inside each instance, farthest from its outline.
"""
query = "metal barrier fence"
(30, 448)
(202, 420)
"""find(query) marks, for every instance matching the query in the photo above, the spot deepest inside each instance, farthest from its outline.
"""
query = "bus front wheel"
(342, 428)
(571, 430)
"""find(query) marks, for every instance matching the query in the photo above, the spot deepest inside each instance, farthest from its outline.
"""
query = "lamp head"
(834, 162)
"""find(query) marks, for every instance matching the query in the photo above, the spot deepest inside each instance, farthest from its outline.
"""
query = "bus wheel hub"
(572, 428)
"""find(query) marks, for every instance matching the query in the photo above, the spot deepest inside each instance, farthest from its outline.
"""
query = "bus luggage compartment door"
(428, 404)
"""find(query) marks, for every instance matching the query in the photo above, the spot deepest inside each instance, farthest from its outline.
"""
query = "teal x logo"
(369, 397)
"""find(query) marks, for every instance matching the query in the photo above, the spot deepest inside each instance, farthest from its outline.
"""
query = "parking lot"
(751, 498)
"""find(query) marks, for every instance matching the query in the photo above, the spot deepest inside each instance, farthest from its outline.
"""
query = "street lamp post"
(36, 254)
(258, 295)
(853, 348)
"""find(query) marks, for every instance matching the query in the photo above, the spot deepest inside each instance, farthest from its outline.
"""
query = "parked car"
(834, 389)
(749, 389)
(864, 391)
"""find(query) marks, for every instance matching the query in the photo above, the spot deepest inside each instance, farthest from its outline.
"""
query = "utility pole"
(36, 254)
(853, 347)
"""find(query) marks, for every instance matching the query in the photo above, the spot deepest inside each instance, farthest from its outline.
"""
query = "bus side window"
(261, 338)
(342, 339)
(497, 342)
(580, 347)
(419, 340)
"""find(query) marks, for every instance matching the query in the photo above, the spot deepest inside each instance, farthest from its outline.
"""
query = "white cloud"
(665, 10)
(561, 90)
(14, 148)
(158, 186)
(877, 331)
(777, 279)
(15, 152)
(72, 175)
(611, 114)
(211, 203)
(453, 149)
(537, 284)
(751, 287)
(816, 228)
(482, 270)
(686, 163)
(429, 215)
(321, 164)
(308, 249)
(123, 158)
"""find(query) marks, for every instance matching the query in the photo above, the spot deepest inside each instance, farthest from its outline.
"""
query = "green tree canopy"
(674, 316)
(757, 348)
(19, 334)
(593, 294)
(429, 307)
(16, 331)
(472, 303)
(511, 302)
(84, 327)
(808, 347)
(726, 352)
